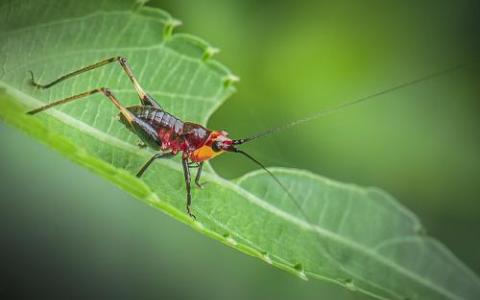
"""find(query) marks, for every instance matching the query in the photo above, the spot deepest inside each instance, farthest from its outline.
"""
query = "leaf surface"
(359, 237)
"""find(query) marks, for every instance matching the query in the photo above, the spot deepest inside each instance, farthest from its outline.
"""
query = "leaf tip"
(170, 25)
(210, 52)
(230, 79)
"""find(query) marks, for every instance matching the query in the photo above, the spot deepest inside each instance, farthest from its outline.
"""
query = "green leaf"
(361, 237)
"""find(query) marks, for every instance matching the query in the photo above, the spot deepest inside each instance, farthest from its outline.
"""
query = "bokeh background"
(67, 233)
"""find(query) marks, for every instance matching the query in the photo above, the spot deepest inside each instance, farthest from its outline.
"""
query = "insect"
(170, 136)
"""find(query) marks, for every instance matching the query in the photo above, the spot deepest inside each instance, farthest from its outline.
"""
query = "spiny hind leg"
(145, 99)
(106, 92)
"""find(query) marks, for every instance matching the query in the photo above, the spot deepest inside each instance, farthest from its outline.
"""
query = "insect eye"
(216, 147)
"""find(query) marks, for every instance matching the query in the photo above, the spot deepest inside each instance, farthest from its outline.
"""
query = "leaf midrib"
(97, 134)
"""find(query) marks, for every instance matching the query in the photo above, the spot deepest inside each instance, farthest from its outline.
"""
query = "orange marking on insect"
(204, 153)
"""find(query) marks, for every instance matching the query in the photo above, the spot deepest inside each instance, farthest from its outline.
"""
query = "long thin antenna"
(346, 104)
(276, 180)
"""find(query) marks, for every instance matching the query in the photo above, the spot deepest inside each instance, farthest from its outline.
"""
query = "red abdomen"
(168, 132)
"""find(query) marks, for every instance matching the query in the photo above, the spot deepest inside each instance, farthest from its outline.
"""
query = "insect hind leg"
(145, 99)
(105, 91)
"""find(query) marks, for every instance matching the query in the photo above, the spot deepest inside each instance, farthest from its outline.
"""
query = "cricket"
(168, 135)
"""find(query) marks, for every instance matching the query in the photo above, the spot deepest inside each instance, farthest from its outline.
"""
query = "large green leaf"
(358, 237)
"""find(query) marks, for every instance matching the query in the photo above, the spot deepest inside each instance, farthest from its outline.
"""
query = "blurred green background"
(66, 230)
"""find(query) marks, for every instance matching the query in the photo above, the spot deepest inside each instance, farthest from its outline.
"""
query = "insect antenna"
(275, 178)
(311, 223)
(344, 105)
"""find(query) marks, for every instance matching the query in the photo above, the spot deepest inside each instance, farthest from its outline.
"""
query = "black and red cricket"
(169, 135)
(157, 128)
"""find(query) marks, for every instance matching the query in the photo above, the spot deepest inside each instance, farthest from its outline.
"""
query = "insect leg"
(199, 173)
(186, 173)
(145, 99)
(71, 74)
(127, 114)
(149, 162)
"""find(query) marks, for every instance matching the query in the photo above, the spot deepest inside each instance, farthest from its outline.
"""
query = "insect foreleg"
(145, 99)
(127, 114)
(186, 173)
(149, 162)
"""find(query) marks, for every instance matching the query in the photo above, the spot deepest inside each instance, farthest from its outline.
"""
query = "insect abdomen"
(167, 127)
